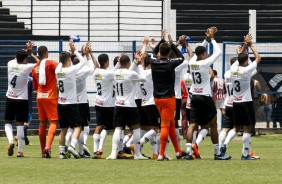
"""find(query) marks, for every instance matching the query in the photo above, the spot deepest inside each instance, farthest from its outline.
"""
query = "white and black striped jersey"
(17, 79)
(66, 81)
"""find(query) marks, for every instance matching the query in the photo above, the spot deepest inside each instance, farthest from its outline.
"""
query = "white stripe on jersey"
(104, 79)
(187, 78)
(125, 81)
(218, 87)
(81, 77)
(147, 88)
(177, 86)
(228, 86)
(66, 81)
(241, 78)
(200, 72)
(17, 80)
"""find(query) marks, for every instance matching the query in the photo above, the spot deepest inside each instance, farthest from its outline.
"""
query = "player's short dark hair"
(21, 55)
(74, 59)
(200, 50)
(214, 72)
(103, 59)
(164, 49)
(124, 60)
(242, 57)
(42, 50)
(147, 60)
(233, 60)
(64, 56)
(116, 60)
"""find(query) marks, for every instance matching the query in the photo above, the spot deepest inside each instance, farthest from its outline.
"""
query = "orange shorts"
(47, 109)
(166, 107)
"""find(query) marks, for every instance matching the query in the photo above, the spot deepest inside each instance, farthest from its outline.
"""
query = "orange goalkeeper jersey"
(49, 90)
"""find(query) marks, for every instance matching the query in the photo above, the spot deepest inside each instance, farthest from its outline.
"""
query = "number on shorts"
(61, 86)
(14, 81)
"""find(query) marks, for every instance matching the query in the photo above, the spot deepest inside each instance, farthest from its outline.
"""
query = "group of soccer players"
(143, 95)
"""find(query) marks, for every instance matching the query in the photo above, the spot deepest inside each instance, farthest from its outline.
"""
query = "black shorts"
(243, 113)
(105, 116)
(69, 115)
(188, 114)
(85, 113)
(228, 118)
(150, 116)
(126, 116)
(177, 110)
(202, 109)
(16, 110)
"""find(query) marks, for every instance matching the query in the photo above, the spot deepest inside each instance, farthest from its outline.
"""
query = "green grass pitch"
(34, 169)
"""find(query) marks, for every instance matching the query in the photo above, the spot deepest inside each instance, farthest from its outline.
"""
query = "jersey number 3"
(197, 78)
(237, 88)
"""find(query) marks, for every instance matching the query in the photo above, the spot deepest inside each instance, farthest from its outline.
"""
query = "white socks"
(85, 135)
(221, 137)
(68, 136)
(189, 148)
(136, 141)
(9, 133)
(231, 134)
(120, 146)
(20, 136)
(125, 140)
(202, 135)
(148, 136)
(154, 147)
(178, 137)
(62, 149)
(103, 136)
(96, 140)
(81, 142)
(216, 149)
(246, 139)
(130, 141)
(115, 142)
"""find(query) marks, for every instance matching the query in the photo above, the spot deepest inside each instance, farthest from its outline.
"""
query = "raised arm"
(29, 46)
(94, 60)
(157, 48)
(77, 67)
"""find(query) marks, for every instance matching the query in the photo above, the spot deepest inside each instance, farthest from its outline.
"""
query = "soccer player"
(178, 70)
(243, 109)
(68, 108)
(203, 111)
(82, 100)
(163, 75)
(44, 82)
(228, 131)
(126, 112)
(17, 99)
(218, 88)
(105, 99)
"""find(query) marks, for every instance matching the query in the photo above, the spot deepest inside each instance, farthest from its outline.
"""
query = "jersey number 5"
(197, 78)
(14, 81)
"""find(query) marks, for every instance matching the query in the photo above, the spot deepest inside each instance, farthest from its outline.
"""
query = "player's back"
(218, 87)
(105, 87)
(125, 81)
(17, 79)
(81, 77)
(147, 88)
(228, 88)
(201, 77)
(49, 90)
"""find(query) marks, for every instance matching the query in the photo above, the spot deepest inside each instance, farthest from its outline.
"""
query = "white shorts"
(219, 104)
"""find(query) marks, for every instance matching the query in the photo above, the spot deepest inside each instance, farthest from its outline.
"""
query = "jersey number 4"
(14, 81)
(197, 78)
